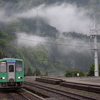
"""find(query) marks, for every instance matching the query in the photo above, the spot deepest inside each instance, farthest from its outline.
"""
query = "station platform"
(87, 80)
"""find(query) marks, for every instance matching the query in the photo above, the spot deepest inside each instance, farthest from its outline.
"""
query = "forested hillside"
(36, 31)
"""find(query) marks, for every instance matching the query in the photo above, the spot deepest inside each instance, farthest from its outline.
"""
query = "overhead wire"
(55, 43)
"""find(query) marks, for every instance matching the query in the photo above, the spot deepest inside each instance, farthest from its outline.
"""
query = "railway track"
(74, 85)
(82, 86)
(61, 94)
(19, 95)
(4, 96)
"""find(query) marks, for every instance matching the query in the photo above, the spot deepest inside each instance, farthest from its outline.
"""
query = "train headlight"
(19, 77)
(2, 78)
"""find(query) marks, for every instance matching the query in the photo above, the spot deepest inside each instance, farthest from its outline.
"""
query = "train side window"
(2, 66)
(11, 68)
(18, 66)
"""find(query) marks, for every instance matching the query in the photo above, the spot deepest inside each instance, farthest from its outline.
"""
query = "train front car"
(11, 73)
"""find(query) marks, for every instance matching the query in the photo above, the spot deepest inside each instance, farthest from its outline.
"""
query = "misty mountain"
(49, 35)
(84, 2)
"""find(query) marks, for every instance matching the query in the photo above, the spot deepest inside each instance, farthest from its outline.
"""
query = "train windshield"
(18, 66)
(11, 68)
(2, 66)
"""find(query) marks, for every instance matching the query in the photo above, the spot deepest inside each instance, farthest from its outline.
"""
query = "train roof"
(4, 59)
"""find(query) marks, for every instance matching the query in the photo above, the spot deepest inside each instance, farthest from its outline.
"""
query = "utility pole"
(94, 33)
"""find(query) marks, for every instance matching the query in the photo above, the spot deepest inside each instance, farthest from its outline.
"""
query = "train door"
(11, 72)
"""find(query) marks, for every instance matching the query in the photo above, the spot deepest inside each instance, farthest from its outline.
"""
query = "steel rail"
(60, 92)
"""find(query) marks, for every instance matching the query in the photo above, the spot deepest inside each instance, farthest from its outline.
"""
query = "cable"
(53, 43)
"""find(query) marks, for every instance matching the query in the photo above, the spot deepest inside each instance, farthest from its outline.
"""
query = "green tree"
(11, 28)
(91, 70)
(29, 72)
(73, 73)
(46, 74)
(68, 73)
(37, 72)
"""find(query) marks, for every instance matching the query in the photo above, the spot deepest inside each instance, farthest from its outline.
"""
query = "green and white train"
(11, 73)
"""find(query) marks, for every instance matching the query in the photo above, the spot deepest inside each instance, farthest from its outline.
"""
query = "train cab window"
(2, 66)
(11, 68)
(18, 66)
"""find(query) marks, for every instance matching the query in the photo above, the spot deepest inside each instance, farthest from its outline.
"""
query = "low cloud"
(64, 45)
(65, 17)
(29, 40)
